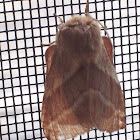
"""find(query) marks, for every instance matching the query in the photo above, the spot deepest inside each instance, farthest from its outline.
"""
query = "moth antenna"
(87, 14)
(104, 27)
(59, 18)
(48, 43)
(87, 9)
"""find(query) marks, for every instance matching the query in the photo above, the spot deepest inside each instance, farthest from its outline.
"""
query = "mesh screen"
(25, 24)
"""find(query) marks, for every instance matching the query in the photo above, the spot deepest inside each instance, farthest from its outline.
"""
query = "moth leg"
(59, 18)
(49, 44)
(104, 27)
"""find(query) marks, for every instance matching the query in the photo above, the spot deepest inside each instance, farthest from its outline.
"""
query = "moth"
(82, 90)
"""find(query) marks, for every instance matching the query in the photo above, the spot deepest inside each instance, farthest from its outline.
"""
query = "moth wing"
(107, 97)
(108, 46)
(49, 55)
(54, 123)
(79, 96)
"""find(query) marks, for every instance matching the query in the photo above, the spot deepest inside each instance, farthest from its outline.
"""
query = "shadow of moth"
(82, 90)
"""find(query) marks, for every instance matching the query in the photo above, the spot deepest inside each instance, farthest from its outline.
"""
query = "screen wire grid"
(24, 25)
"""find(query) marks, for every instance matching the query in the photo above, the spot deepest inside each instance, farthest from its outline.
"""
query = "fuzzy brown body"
(82, 90)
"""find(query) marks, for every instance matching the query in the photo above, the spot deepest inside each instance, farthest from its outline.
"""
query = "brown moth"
(82, 90)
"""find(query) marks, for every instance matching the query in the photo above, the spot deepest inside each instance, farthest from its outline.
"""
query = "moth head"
(79, 32)
(79, 28)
